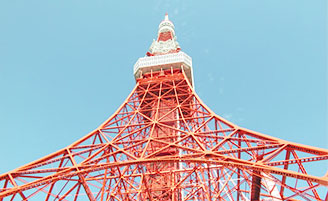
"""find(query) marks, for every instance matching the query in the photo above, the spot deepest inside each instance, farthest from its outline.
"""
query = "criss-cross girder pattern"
(163, 143)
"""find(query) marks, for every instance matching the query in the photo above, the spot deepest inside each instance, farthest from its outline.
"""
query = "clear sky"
(66, 66)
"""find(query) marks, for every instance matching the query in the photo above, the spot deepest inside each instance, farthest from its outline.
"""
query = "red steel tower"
(163, 143)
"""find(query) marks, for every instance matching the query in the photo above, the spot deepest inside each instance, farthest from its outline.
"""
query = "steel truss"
(163, 143)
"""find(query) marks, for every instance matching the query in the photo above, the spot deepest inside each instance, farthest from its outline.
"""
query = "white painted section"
(243, 196)
(159, 60)
(271, 187)
(163, 62)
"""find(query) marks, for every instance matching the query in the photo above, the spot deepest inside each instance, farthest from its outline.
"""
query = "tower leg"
(256, 186)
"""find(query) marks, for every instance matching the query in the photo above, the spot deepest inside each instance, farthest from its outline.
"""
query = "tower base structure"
(163, 143)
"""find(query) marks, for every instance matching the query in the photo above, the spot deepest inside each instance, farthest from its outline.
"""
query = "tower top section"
(166, 40)
(164, 54)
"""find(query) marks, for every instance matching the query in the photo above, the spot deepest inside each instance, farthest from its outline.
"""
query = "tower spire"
(166, 16)
(166, 40)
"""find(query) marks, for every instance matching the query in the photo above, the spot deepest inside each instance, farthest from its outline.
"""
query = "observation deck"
(179, 60)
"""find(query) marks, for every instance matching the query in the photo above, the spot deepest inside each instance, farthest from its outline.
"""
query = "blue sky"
(66, 66)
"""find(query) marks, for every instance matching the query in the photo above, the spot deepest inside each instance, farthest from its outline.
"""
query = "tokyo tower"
(164, 143)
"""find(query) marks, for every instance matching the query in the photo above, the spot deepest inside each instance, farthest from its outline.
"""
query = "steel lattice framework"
(163, 143)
